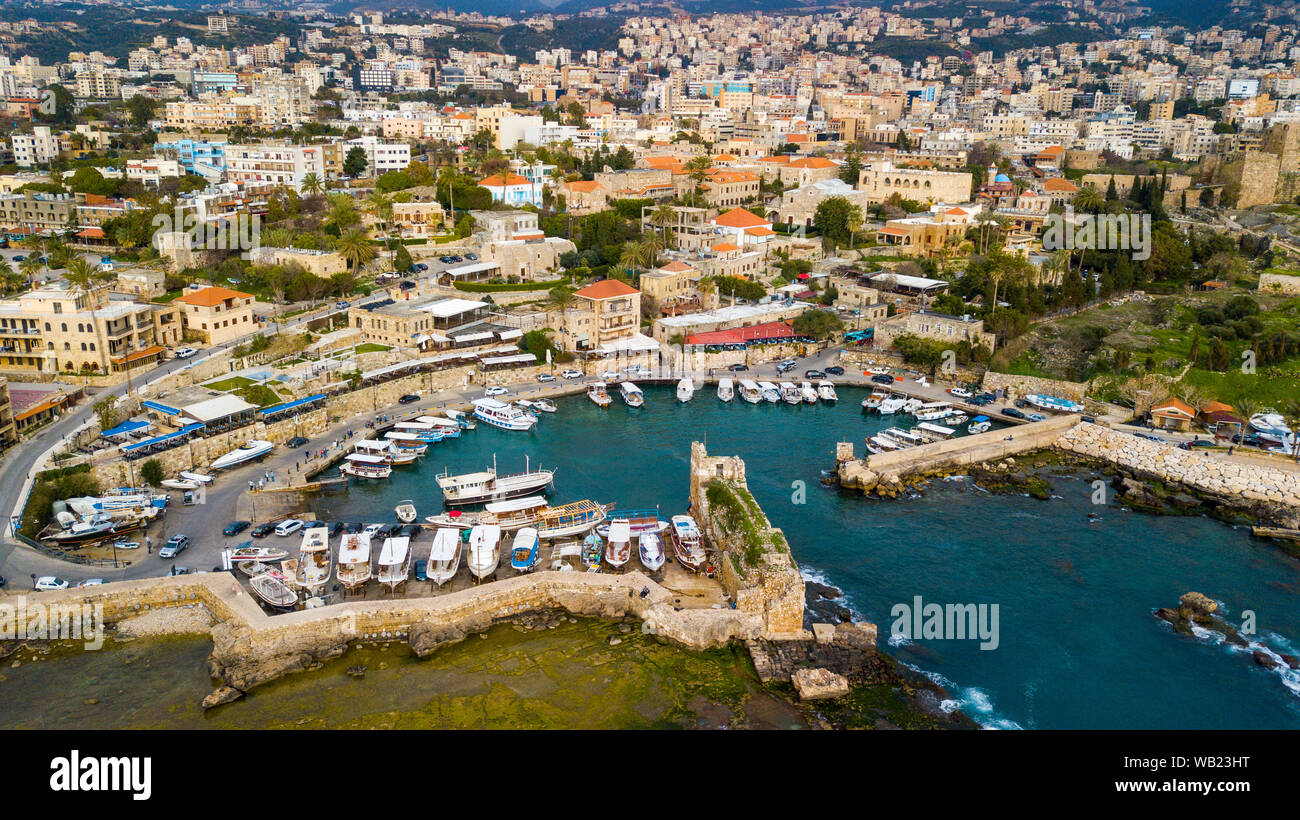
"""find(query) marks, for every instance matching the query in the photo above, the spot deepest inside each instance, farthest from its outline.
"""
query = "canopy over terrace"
(126, 428)
(292, 408)
(630, 346)
(157, 444)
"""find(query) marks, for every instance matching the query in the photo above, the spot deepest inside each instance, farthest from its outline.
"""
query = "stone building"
(606, 312)
(218, 314)
(928, 325)
(882, 180)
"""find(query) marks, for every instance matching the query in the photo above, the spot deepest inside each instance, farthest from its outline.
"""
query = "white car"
(47, 583)
(288, 526)
(185, 352)
(495, 391)
(126, 545)
(959, 392)
(571, 374)
(371, 529)
(610, 376)
(92, 582)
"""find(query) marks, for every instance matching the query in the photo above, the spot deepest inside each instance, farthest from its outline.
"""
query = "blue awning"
(161, 408)
(126, 427)
(150, 442)
(289, 405)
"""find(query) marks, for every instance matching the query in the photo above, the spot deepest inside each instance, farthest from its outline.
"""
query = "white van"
(288, 526)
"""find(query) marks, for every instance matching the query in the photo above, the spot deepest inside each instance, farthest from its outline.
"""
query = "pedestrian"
(1231, 447)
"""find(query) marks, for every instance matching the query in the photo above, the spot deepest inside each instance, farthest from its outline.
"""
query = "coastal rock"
(1264, 660)
(1198, 604)
(251, 674)
(426, 638)
(221, 696)
(167, 621)
(818, 684)
(823, 633)
(860, 635)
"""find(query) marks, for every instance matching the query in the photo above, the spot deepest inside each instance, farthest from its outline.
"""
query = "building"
(321, 263)
(57, 328)
(670, 289)
(219, 314)
(730, 317)
(37, 148)
(145, 283)
(798, 206)
(742, 227)
(8, 431)
(881, 180)
(939, 326)
(418, 219)
(516, 244)
(1173, 414)
(381, 157)
(274, 164)
(513, 189)
(606, 313)
(36, 404)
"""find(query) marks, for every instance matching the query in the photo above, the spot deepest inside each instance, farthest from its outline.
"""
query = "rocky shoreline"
(1196, 609)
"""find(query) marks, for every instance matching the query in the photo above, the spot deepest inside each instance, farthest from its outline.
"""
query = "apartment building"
(381, 157)
(218, 314)
(217, 114)
(36, 148)
(607, 312)
(57, 328)
(274, 164)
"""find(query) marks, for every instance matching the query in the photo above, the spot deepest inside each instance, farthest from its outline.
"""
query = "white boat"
(199, 477)
(273, 590)
(599, 394)
(570, 519)
(1272, 429)
(685, 389)
(395, 561)
(651, 551)
(407, 442)
(484, 550)
(980, 424)
(354, 560)
(770, 392)
(258, 554)
(638, 521)
(873, 401)
(360, 465)
(934, 432)
(892, 404)
(405, 511)
(750, 391)
(545, 405)
(879, 444)
(905, 438)
(449, 427)
(313, 570)
(444, 556)
(807, 392)
(632, 395)
(179, 484)
(464, 421)
(526, 550)
(619, 547)
(386, 450)
(502, 414)
(725, 390)
(486, 485)
(826, 391)
(912, 405)
(245, 452)
(790, 393)
(957, 418)
(933, 411)
(1053, 404)
(688, 546)
(420, 431)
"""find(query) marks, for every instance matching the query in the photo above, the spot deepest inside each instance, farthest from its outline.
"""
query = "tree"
(832, 218)
(402, 258)
(142, 110)
(354, 247)
(697, 168)
(152, 472)
(819, 324)
(354, 164)
(86, 281)
(312, 184)
(342, 213)
(106, 411)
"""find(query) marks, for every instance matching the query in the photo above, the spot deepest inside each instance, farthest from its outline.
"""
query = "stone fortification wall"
(1017, 386)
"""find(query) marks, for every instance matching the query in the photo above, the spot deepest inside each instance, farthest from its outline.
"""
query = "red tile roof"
(606, 289)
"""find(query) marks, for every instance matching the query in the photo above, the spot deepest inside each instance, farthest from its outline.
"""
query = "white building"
(36, 148)
(382, 157)
(274, 164)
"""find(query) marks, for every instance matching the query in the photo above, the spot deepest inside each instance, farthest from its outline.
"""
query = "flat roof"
(217, 408)
(446, 308)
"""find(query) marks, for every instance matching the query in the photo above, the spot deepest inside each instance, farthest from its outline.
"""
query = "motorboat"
(179, 484)
(1272, 429)
(405, 511)
(632, 395)
(545, 405)
(464, 420)
(248, 552)
(750, 391)
(770, 392)
(892, 404)
(484, 550)
(313, 570)
(638, 521)
(361, 465)
(688, 546)
(446, 426)
(685, 389)
(503, 415)
(354, 560)
(273, 589)
(199, 477)
(395, 561)
(593, 549)
(486, 485)
(933, 411)
(979, 424)
(826, 391)
(525, 551)
(444, 556)
(1053, 404)
(570, 519)
(912, 405)
(725, 390)
(95, 528)
(386, 450)
(808, 393)
(618, 549)
(872, 402)
(245, 452)
(651, 551)
(407, 442)
(599, 394)
(956, 418)
(790, 394)
(421, 431)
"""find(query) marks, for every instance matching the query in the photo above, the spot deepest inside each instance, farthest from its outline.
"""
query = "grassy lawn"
(371, 347)
(226, 385)
(1269, 386)
(258, 394)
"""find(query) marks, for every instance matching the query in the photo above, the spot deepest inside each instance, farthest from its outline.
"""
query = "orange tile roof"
(739, 218)
(780, 159)
(812, 162)
(211, 296)
(501, 181)
(1060, 184)
(675, 266)
(1175, 405)
(760, 230)
(673, 164)
(606, 289)
(583, 185)
(724, 247)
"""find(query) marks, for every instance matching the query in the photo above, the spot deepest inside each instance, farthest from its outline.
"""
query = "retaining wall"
(1025, 385)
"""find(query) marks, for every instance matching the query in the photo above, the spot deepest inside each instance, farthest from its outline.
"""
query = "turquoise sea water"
(1079, 647)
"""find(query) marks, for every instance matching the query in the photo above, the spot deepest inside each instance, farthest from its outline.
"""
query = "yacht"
(245, 452)
(1053, 404)
(808, 393)
(770, 392)
(1271, 427)
(632, 395)
(313, 570)
(892, 404)
(503, 414)
(599, 394)
(750, 391)
(487, 485)
(725, 390)
(685, 389)
(826, 391)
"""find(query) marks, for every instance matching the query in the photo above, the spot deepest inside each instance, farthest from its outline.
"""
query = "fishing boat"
(525, 551)
(931, 432)
(872, 402)
(599, 394)
(750, 391)
(957, 418)
(770, 392)
(892, 404)
(405, 511)
(272, 589)
(619, 547)
(74, 533)
(248, 552)
(354, 560)
(503, 415)
(790, 393)
(808, 393)
(979, 424)
(638, 521)
(688, 546)
(179, 484)
(879, 444)
(826, 391)
(245, 452)
(444, 556)
(545, 405)
(406, 442)
(632, 395)
(725, 390)
(685, 389)
(416, 431)
(570, 519)
(395, 561)
(313, 570)
(199, 477)
(912, 405)
(593, 549)
(905, 438)
(1053, 404)
(651, 551)
(933, 411)
(251, 568)
(447, 427)
(386, 450)
(486, 485)
(462, 419)
(484, 550)
(360, 465)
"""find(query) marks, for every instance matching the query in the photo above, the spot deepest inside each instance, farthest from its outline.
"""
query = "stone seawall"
(1017, 386)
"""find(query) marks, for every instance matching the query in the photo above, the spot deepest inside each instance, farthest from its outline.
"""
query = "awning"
(289, 405)
(127, 427)
(522, 358)
(474, 337)
(139, 354)
(150, 442)
(633, 344)
(161, 408)
(513, 333)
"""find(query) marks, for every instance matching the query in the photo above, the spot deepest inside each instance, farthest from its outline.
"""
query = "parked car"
(987, 397)
(407, 284)
(263, 530)
(473, 257)
(296, 441)
(610, 376)
(236, 527)
(410, 530)
(288, 527)
(408, 398)
(422, 266)
(47, 583)
(1089, 419)
(2, 582)
(495, 391)
(353, 527)
(979, 401)
(814, 374)
(174, 546)
(342, 303)
(373, 529)
(1013, 413)
(835, 370)
(1150, 437)
(334, 528)
(738, 368)
(571, 374)
(1251, 440)
(1036, 417)
(185, 352)
(1200, 442)
(421, 567)
(959, 392)
(785, 367)
(545, 377)
(1021, 403)
(882, 378)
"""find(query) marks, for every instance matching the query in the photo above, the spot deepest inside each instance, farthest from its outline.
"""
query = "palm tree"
(31, 266)
(662, 217)
(1089, 200)
(561, 299)
(447, 175)
(853, 221)
(343, 212)
(85, 280)
(355, 247)
(312, 184)
(382, 207)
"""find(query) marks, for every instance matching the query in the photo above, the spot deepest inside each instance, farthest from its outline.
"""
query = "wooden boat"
(879, 444)
(509, 515)
(725, 390)
(407, 442)
(463, 420)
(354, 560)
(251, 568)
(872, 402)
(570, 519)
(750, 391)
(688, 546)
(650, 550)
(770, 392)
(632, 395)
(444, 556)
(271, 588)
(593, 549)
(638, 521)
(933, 411)
(487, 485)
(484, 550)
(599, 394)
(395, 561)
(405, 511)
(934, 432)
(387, 450)
(525, 551)
(789, 393)
(619, 548)
(360, 465)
